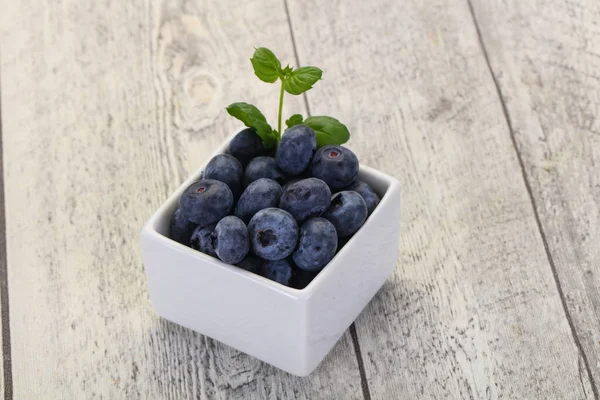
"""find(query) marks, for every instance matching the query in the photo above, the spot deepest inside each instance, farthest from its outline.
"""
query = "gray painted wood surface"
(485, 112)
(473, 310)
(5, 373)
(547, 60)
(123, 101)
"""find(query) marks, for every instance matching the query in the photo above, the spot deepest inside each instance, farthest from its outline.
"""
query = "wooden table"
(486, 111)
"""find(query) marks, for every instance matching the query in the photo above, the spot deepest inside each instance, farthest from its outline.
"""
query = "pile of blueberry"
(282, 214)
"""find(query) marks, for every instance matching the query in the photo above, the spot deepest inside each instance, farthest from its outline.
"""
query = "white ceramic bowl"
(289, 328)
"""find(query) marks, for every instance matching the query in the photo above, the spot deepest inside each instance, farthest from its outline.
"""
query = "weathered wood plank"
(473, 310)
(547, 62)
(107, 107)
(4, 325)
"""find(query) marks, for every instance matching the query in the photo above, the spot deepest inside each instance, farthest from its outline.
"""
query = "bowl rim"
(150, 230)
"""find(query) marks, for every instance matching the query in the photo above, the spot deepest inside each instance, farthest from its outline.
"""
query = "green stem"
(280, 110)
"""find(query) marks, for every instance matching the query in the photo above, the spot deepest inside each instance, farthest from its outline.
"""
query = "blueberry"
(262, 193)
(347, 212)
(295, 150)
(263, 167)
(227, 169)
(202, 240)
(273, 234)
(306, 199)
(205, 202)
(279, 271)
(231, 240)
(245, 146)
(289, 183)
(251, 263)
(367, 194)
(301, 278)
(181, 228)
(335, 165)
(317, 245)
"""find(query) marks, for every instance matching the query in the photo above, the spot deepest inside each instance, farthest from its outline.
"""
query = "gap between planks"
(4, 305)
(356, 345)
(296, 56)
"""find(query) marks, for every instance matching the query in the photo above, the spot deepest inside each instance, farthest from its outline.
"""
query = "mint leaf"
(287, 71)
(253, 118)
(301, 80)
(329, 130)
(295, 119)
(266, 66)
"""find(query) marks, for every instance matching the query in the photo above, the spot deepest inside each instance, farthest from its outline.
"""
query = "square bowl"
(289, 328)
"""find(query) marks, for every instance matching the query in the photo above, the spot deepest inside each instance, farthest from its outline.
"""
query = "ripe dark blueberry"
(246, 145)
(306, 199)
(227, 169)
(295, 150)
(260, 194)
(335, 165)
(202, 240)
(317, 244)
(289, 183)
(273, 234)
(230, 239)
(347, 212)
(181, 228)
(367, 194)
(205, 202)
(251, 263)
(279, 271)
(263, 167)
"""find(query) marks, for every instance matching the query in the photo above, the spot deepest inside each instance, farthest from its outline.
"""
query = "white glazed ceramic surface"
(288, 328)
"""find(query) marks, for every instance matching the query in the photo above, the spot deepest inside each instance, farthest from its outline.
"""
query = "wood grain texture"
(473, 310)
(107, 107)
(547, 63)
(5, 390)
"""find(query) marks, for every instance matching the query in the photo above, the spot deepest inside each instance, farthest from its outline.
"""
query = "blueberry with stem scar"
(335, 165)
(206, 201)
(273, 234)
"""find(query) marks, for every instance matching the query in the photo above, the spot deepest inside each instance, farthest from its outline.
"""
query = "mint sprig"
(295, 119)
(301, 80)
(253, 118)
(267, 68)
(328, 130)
